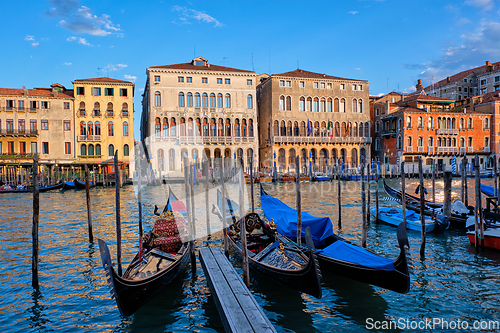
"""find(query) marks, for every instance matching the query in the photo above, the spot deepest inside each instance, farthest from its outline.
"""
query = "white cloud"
(353, 12)
(35, 44)
(481, 4)
(185, 14)
(29, 37)
(130, 77)
(68, 63)
(79, 39)
(80, 20)
(70, 39)
(113, 68)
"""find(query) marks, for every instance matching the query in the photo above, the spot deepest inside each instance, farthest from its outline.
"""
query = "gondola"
(394, 216)
(166, 253)
(57, 186)
(275, 256)
(337, 254)
(69, 185)
(458, 217)
(320, 177)
(82, 184)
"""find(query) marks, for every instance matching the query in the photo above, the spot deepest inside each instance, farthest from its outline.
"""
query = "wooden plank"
(237, 307)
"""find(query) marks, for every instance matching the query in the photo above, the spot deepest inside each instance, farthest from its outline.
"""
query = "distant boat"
(82, 185)
(394, 216)
(491, 238)
(320, 177)
(69, 186)
(57, 186)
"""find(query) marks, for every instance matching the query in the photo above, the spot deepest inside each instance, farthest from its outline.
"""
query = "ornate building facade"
(104, 119)
(198, 109)
(37, 121)
(321, 118)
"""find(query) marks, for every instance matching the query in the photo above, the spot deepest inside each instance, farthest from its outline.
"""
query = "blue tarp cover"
(397, 212)
(489, 190)
(286, 220)
(357, 255)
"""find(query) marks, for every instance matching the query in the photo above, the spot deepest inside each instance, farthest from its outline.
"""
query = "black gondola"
(51, 187)
(276, 256)
(150, 272)
(68, 185)
(337, 254)
(430, 208)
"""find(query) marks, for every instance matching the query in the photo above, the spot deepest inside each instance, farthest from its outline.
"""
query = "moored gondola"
(165, 255)
(337, 254)
(458, 217)
(47, 188)
(275, 256)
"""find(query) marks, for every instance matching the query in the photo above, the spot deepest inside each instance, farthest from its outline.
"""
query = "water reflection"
(37, 319)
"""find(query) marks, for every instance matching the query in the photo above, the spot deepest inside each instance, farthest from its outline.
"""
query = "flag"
(309, 129)
(330, 129)
(348, 129)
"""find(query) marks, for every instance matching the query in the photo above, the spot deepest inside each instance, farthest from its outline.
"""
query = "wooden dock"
(237, 307)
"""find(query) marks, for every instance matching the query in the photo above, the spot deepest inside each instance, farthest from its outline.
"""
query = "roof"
(490, 97)
(208, 67)
(459, 76)
(424, 97)
(102, 79)
(311, 75)
(39, 92)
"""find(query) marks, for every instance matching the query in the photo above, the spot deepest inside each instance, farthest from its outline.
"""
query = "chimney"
(55, 93)
(488, 63)
(489, 67)
(25, 91)
(387, 107)
(448, 79)
(419, 87)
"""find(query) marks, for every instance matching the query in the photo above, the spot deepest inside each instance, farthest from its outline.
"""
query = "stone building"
(104, 119)
(37, 121)
(322, 118)
(198, 109)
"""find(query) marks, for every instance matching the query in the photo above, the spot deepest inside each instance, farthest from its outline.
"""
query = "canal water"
(452, 283)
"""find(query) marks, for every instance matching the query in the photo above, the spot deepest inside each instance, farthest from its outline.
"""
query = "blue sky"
(390, 43)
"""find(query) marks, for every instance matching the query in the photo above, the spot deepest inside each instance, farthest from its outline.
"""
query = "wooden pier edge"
(238, 309)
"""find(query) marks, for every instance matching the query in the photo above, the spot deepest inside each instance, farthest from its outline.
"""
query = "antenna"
(253, 70)
(387, 84)
(224, 61)
(194, 52)
(298, 64)
(269, 62)
(98, 71)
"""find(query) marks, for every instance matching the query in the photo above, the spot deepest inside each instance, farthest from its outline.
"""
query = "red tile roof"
(38, 92)
(102, 79)
(459, 76)
(311, 75)
(209, 67)
(490, 97)
(423, 97)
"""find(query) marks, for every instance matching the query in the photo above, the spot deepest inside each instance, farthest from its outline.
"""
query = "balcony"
(319, 139)
(89, 138)
(447, 150)
(96, 113)
(486, 128)
(110, 114)
(430, 150)
(13, 155)
(409, 149)
(446, 131)
(223, 140)
(420, 149)
(82, 112)
(389, 132)
(12, 109)
(124, 114)
(462, 150)
(12, 132)
(470, 149)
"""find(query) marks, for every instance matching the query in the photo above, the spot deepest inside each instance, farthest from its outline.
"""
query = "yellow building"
(104, 119)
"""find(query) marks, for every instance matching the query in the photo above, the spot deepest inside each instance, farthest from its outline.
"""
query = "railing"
(486, 128)
(110, 114)
(82, 112)
(486, 149)
(447, 131)
(90, 138)
(18, 132)
(124, 114)
(7, 108)
(470, 149)
(462, 150)
(96, 113)
(444, 150)
(389, 132)
(430, 150)
(319, 139)
(420, 149)
(13, 155)
(198, 139)
(409, 149)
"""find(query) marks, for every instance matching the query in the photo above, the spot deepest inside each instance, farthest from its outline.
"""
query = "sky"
(390, 43)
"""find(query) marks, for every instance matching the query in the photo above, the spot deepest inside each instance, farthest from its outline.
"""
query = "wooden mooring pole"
(89, 214)
(463, 179)
(193, 216)
(251, 185)
(368, 190)
(224, 215)
(478, 218)
(139, 194)
(377, 175)
(422, 206)
(403, 192)
(339, 202)
(298, 203)
(495, 175)
(447, 177)
(207, 203)
(118, 217)
(433, 180)
(243, 229)
(187, 188)
(34, 230)
(363, 205)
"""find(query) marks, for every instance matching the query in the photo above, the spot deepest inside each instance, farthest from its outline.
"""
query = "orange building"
(431, 127)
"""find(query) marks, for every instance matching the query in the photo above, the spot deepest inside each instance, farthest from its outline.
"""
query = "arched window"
(283, 128)
(249, 102)
(399, 144)
(181, 100)
(408, 122)
(288, 103)
(361, 130)
(470, 142)
(309, 104)
(227, 101)
(204, 100)
(83, 128)
(431, 123)
(228, 127)
(377, 144)
(377, 126)
(97, 109)
(296, 130)
(189, 100)
(329, 105)
(316, 104)
(126, 151)
(109, 110)
(213, 101)
(165, 127)
(98, 149)
(282, 102)
(237, 127)
(486, 123)
(219, 101)
(161, 160)
(486, 144)
(354, 105)
(367, 129)
(171, 159)
(462, 123)
(420, 122)
(111, 130)
(97, 128)
(157, 98)
(360, 106)
(83, 150)
(125, 129)
(302, 104)
(90, 128)
(125, 109)
(197, 100)
(409, 141)
(454, 123)
(336, 105)
(470, 123)
(431, 141)
(91, 150)
(322, 105)
(420, 141)
(81, 108)
(289, 128)
(342, 105)
(250, 128)
(157, 127)
(111, 150)
(337, 129)
(244, 129)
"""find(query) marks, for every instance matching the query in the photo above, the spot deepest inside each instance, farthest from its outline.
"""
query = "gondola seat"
(169, 232)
